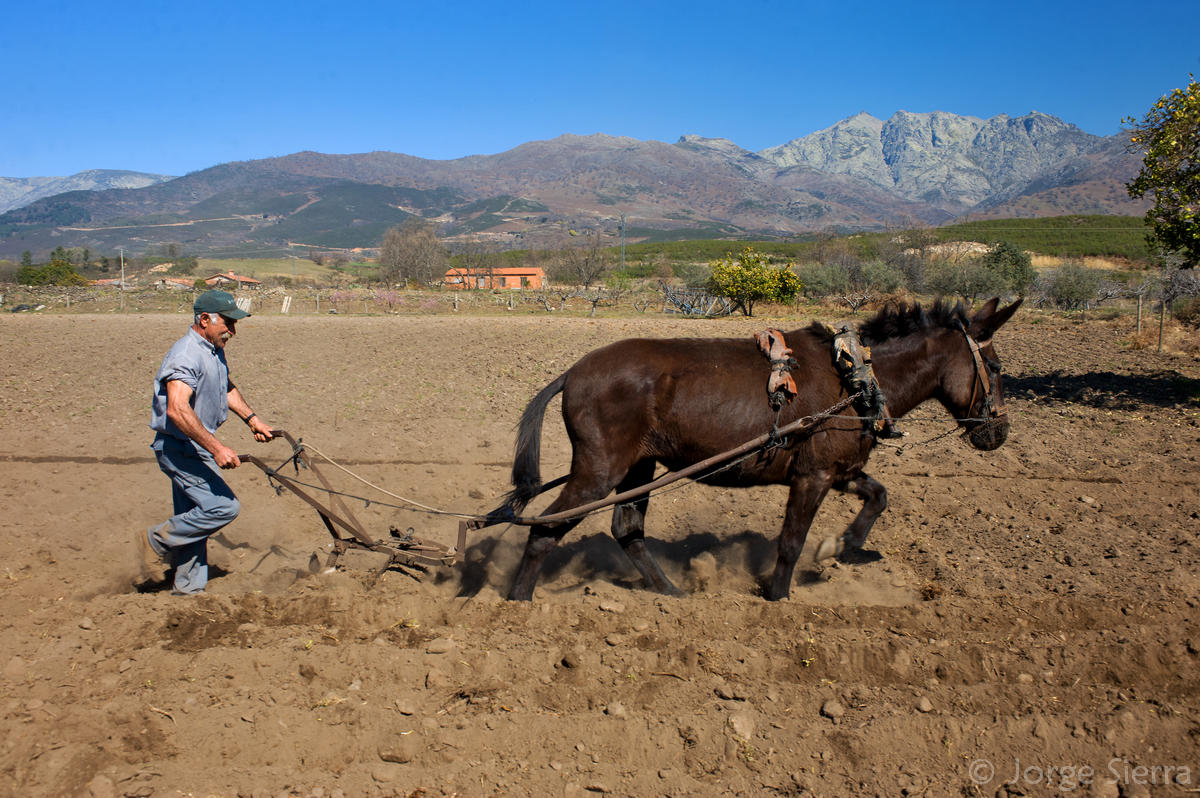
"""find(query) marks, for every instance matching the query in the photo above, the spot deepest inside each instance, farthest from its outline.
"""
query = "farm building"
(509, 277)
(221, 279)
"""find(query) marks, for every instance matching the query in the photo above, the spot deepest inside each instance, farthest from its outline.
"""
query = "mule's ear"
(985, 323)
(988, 309)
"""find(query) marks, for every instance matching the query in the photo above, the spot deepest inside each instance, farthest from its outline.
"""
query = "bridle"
(993, 405)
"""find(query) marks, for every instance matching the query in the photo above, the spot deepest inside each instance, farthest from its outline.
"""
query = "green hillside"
(1065, 236)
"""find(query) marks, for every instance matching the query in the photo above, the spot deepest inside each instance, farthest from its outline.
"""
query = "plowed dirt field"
(1034, 628)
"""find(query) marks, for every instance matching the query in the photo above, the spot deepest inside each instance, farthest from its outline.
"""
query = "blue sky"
(176, 87)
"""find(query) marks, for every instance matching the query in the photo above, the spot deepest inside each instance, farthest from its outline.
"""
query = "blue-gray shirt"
(201, 366)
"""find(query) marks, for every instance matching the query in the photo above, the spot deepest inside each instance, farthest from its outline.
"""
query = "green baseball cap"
(221, 302)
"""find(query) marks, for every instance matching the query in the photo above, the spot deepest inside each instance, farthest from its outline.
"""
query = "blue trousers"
(203, 504)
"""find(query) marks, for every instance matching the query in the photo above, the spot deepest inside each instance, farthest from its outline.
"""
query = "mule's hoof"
(853, 555)
(830, 547)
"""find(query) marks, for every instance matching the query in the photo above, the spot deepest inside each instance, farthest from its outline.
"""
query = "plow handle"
(275, 433)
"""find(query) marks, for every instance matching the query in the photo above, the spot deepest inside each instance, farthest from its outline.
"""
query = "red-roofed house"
(508, 277)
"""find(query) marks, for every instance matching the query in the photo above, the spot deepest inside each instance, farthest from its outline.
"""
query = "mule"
(638, 402)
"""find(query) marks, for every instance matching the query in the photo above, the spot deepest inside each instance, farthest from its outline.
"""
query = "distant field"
(1064, 236)
(261, 268)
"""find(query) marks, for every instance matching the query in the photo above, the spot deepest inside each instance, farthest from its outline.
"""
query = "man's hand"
(179, 410)
(262, 430)
(225, 457)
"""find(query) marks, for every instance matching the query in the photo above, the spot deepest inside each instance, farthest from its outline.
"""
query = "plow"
(406, 553)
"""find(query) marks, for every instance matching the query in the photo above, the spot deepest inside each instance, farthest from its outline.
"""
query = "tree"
(1013, 264)
(184, 265)
(1169, 135)
(582, 264)
(478, 257)
(969, 279)
(412, 253)
(56, 272)
(750, 277)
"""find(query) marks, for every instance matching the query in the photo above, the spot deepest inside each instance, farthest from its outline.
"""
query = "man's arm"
(238, 404)
(181, 414)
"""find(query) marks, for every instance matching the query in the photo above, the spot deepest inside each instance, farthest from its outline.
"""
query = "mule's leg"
(543, 538)
(629, 528)
(804, 498)
(874, 496)
(849, 548)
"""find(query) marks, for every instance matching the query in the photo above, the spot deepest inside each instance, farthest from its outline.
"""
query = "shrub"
(1071, 286)
(876, 276)
(56, 272)
(1187, 310)
(823, 280)
(1013, 265)
(970, 279)
(749, 278)
(694, 275)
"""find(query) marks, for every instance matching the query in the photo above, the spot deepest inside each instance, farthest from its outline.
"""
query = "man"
(192, 398)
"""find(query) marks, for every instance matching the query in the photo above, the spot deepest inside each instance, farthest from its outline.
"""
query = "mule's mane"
(897, 320)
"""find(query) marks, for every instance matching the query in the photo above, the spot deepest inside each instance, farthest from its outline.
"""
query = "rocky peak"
(851, 147)
(950, 160)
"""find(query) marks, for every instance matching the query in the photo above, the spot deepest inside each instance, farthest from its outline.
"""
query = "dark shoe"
(152, 564)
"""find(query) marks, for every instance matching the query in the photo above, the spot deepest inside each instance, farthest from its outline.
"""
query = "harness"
(853, 362)
(780, 385)
(852, 359)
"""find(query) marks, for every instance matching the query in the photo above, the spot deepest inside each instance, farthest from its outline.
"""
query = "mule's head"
(971, 387)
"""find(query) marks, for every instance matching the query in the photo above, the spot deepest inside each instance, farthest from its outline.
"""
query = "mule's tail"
(527, 461)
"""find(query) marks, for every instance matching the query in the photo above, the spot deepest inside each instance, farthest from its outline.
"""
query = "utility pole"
(122, 251)
(622, 242)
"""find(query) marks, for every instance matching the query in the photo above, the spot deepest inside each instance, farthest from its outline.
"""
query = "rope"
(370, 484)
(412, 505)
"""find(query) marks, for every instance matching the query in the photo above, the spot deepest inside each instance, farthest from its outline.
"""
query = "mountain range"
(17, 192)
(862, 173)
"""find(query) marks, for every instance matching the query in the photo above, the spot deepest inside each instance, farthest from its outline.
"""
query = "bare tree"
(856, 299)
(480, 257)
(412, 253)
(583, 263)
